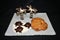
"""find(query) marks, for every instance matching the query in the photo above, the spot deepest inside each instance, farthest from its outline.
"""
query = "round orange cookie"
(38, 24)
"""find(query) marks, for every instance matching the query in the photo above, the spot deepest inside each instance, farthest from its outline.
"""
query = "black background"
(7, 9)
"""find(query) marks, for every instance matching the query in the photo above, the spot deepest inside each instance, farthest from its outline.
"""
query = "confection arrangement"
(21, 12)
(37, 23)
(27, 21)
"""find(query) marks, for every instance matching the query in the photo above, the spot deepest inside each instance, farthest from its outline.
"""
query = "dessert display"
(38, 24)
(26, 21)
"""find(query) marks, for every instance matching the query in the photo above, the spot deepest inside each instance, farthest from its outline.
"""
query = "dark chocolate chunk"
(27, 25)
(18, 23)
(19, 29)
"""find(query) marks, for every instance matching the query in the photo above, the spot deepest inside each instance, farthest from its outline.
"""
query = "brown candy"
(27, 25)
(19, 29)
(18, 23)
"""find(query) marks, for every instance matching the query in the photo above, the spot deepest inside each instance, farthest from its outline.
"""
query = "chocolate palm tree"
(21, 12)
(32, 10)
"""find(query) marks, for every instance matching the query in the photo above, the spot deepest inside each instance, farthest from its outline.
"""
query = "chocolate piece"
(19, 29)
(18, 23)
(27, 25)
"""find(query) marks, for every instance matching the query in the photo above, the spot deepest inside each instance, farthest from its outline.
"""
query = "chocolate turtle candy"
(27, 25)
(19, 23)
(19, 29)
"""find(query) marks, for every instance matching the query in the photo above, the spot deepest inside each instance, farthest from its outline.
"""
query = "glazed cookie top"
(38, 24)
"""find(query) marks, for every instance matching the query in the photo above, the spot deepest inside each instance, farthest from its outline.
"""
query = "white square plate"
(49, 31)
